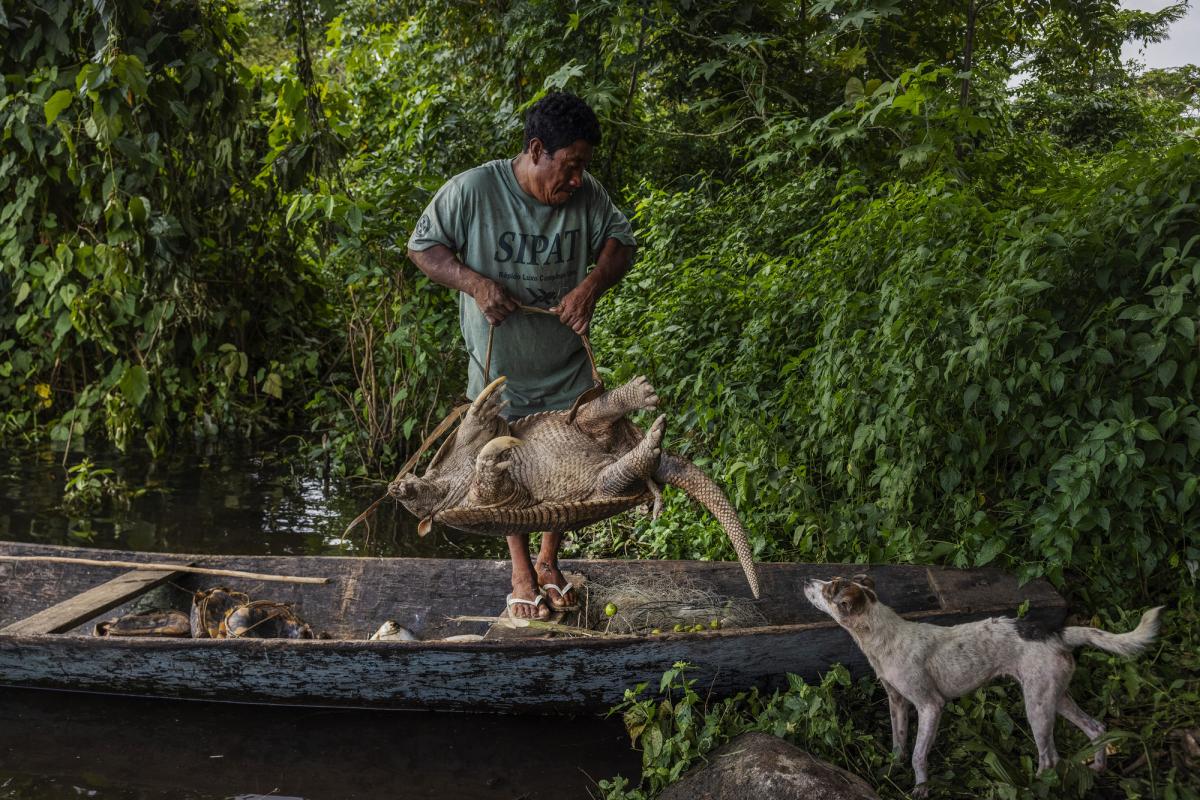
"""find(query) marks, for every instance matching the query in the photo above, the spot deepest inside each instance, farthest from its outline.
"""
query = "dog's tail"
(1122, 644)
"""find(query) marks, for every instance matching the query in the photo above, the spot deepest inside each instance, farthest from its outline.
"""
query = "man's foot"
(553, 583)
(523, 602)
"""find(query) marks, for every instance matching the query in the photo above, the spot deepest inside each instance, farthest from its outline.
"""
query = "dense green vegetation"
(903, 311)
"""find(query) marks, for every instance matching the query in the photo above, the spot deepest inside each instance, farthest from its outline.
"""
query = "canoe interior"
(420, 594)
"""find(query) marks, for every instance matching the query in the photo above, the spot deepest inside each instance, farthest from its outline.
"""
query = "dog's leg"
(1041, 705)
(898, 707)
(928, 716)
(1092, 728)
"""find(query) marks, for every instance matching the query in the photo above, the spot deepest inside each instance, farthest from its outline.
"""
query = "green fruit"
(697, 628)
(679, 628)
(610, 610)
(656, 631)
(714, 623)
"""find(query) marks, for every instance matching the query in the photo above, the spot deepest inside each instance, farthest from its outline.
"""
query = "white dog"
(926, 665)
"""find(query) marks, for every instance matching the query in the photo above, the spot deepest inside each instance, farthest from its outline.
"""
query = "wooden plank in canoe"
(95, 601)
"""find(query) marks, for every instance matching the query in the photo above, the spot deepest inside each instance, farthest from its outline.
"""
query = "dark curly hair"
(558, 119)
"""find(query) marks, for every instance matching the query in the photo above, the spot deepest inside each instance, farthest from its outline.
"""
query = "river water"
(63, 745)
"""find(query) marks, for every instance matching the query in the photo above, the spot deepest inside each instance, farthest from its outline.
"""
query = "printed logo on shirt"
(423, 225)
(533, 248)
(543, 297)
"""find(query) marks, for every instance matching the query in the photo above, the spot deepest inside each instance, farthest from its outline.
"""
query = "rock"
(760, 765)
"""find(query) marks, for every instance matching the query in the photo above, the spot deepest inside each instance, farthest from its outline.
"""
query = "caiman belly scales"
(558, 470)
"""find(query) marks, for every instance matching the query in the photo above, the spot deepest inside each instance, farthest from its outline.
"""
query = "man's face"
(557, 176)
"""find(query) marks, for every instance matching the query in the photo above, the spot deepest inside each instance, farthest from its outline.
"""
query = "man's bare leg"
(524, 582)
(548, 571)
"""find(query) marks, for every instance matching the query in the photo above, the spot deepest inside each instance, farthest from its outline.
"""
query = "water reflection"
(57, 745)
(226, 502)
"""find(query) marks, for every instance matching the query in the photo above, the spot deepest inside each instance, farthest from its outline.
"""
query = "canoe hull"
(540, 676)
(567, 679)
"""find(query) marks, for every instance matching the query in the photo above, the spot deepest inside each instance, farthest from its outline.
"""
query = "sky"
(1183, 47)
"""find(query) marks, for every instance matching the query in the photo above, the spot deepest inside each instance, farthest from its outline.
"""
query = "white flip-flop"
(561, 593)
(511, 601)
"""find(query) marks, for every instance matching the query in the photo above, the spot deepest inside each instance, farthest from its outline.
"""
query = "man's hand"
(442, 266)
(576, 309)
(493, 300)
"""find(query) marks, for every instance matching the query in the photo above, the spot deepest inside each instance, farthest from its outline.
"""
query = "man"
(523, 231)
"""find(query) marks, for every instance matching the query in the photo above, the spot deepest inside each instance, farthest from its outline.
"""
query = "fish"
(391, 631)
(151, 623)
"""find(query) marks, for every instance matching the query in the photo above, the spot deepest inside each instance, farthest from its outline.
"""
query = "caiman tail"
(680, 472)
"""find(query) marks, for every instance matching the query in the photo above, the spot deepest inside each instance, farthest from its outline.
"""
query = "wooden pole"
(228, 573)
(536, 624)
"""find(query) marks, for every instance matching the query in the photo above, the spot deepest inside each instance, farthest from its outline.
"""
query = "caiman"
(558, 470)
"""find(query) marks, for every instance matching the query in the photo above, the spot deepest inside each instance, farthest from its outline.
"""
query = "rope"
(587, 345)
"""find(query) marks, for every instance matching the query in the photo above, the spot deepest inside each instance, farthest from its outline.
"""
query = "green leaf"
(63, 323)
(854, 91)
(990, 549)
(1139, 313)
(916, 154)
(970, 395)
(652, 744)
(57, 104)
(135, 384)
(1150, 350)
(910, 101)
(139, 208)
(1147, 432)
(949, 478)
(273, 385)
(707, 69)
(564, 75)
(1166, 371)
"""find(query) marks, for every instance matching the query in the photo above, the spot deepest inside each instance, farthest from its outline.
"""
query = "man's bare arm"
(442, 266)
(576, 309)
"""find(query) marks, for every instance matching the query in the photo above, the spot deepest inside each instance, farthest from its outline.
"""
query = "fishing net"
(664, 604)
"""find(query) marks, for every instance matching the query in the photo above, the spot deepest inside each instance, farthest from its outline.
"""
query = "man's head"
(561, 131)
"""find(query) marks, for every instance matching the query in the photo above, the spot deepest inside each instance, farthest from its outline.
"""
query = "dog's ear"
(832, 587)
(868, 586)
(864, 580)
(851, 600)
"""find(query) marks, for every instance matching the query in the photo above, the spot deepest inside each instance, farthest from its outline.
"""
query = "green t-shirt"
(539, 253)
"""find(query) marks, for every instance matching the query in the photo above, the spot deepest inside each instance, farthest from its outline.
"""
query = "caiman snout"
(419, 495)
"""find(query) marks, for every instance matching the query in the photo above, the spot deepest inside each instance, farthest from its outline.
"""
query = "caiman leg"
(680, 472)
(606, 409)
(628, 474)
(492, 483)
(483, 420)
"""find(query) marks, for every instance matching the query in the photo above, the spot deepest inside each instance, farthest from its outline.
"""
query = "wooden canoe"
(47, 611)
